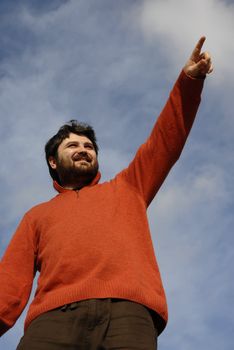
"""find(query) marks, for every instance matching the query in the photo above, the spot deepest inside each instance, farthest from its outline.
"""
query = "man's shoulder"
(40, 208)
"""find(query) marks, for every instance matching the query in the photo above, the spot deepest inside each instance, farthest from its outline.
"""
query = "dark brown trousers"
(103, 324)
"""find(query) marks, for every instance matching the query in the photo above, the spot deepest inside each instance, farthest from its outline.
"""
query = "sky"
(112, 64)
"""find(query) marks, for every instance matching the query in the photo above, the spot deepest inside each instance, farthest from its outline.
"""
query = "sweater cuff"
(189, 84)
(3, 328)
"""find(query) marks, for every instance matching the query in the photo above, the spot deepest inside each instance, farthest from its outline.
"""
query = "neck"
(75, 185)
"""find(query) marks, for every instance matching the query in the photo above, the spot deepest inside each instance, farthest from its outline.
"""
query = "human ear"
(52, 162)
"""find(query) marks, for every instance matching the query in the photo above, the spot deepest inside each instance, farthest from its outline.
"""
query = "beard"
(78, 173)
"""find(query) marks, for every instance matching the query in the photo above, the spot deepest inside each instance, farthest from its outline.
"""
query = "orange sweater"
(95, 242)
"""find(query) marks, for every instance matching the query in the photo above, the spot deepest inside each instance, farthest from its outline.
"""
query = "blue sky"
(112, 64)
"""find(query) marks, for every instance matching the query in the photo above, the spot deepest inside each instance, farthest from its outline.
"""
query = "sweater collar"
(61, 189)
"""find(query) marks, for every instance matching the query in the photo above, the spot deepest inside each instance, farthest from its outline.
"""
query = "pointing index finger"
(198, 47)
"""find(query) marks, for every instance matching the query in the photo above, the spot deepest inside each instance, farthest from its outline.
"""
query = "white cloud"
(177, 25)
(188, 227)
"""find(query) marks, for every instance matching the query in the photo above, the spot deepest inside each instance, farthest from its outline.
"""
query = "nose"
(82, 152)
(81, 149)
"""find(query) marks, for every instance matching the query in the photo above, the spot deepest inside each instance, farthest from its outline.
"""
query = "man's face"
(76, 160)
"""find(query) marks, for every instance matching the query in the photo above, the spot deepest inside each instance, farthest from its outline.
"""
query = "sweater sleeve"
(16, 275)
(162, 149)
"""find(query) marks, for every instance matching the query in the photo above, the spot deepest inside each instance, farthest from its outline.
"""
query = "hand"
(199, 64)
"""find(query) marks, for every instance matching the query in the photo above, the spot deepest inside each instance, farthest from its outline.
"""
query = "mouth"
(78, 158)
(83, 161)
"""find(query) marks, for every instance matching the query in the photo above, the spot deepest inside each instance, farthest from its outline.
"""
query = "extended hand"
(199, 64)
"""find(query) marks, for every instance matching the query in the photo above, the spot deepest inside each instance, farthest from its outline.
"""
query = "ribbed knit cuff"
(189, 85)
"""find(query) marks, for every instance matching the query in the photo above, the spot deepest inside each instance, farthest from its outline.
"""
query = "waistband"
(74, 305)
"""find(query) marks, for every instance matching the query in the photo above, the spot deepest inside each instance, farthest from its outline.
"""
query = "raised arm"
(16, 275)
(157, 155)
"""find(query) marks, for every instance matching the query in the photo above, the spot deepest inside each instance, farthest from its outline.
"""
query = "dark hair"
(75, 127)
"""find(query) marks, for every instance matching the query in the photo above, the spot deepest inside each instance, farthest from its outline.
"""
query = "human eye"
(89, 146)
(71, 145)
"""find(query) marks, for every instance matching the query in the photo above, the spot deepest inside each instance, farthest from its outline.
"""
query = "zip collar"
(61, 189)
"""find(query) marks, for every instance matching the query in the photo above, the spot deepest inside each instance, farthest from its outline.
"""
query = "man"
(99, 284)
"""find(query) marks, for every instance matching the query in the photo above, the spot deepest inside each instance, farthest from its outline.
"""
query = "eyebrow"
(77, 143)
